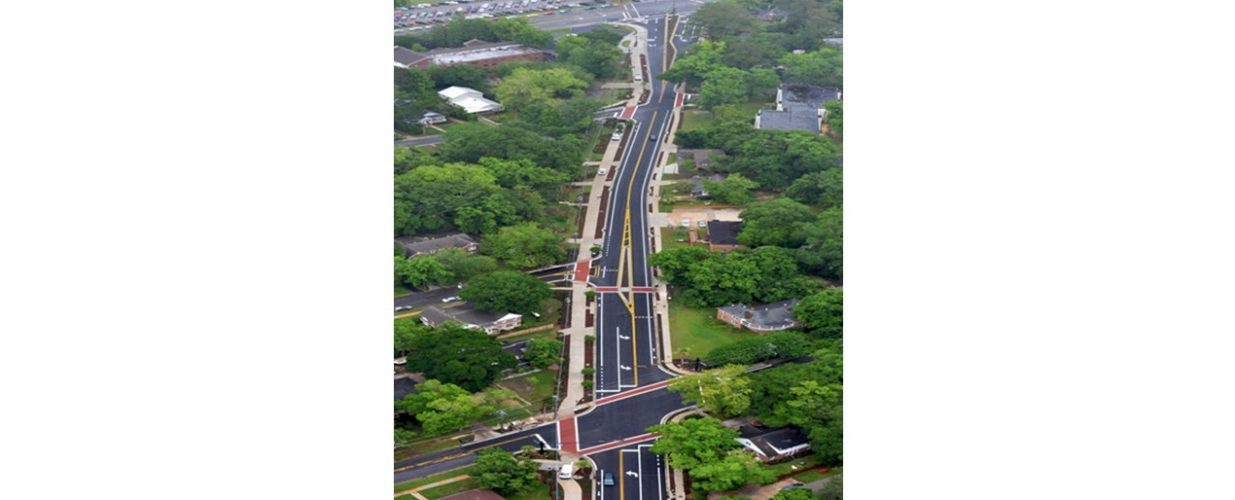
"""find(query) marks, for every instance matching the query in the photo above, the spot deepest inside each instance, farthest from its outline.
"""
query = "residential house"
(473, 52)
(471, 318)
(798, 107)
(723, 235)
(431, 244)
(764, 318)
(697, 190)
(471, 100)
(773, 445)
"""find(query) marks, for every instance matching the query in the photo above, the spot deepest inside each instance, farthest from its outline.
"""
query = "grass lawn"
(543, 334)
(695, 118)
(815, 475)
(695, 332)
(669, 240)
(427, 445)
(401, 291)
(434, 478)
(533, 387)
(446, 490)
(797, 464)
(540, 492)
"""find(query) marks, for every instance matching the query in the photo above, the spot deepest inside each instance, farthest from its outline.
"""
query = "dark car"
(651, 137)
(608, 480)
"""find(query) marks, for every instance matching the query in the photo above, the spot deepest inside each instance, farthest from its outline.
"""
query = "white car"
(451, 298)
(703, 223)
(685, 222)
(600, 172)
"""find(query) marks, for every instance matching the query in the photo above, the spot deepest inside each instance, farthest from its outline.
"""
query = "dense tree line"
(460, 30)
(710, 279)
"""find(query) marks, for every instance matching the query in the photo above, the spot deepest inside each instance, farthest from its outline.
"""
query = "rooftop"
(807, 97)
(803, 120)
(777, 315)
(772, 443)
(416, 245)
(724, 232)
(472, 50)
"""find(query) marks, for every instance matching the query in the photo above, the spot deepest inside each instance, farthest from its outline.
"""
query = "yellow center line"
(621, 476)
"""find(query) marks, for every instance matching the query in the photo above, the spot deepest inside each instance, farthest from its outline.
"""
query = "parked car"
(703, 223)
(566, 472)
(600, 172)
(451, 298)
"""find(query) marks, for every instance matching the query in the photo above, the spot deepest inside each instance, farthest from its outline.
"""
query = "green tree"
(835, 118)
(462, 75)
(470, 142)
(470, 359)
(822, 189)
(723, 85)
(598, 56)
(694, 441)
(526, 86)
(675, 263)
(407, 329)
(542, 353)
(820, 67)
(427, 198)
(506, 291)
(421, 270)
(822, 252)
(794, 494)
(499, 470)
(723, 19)
(525, 246)
(834, 488)
(737, 468)
(699, 61)
(776, 222)
(723, 392)
(463, 265)
(518, 29)
(822, 314)
(408, 158)
(761, 348)
(447, 407)
(524, 173)
(734, 189)
(759, 50)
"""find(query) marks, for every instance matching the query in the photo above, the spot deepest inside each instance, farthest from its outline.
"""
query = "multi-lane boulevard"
(629, 381)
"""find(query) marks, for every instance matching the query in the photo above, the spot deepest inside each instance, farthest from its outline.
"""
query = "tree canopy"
(542, 353)
(822, 314)
(525, 246)
(723, 392)
(470, 359)
(499, 470)
(525, 87)
(761, 275)
(506, 291)
(443, 408)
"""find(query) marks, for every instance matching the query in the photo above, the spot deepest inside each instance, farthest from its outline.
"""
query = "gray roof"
(770, 441)
(807, 97)
(768, 316)
(807, 121)
(722, 232)
(416, 245)
(406, 56)
(465, 314)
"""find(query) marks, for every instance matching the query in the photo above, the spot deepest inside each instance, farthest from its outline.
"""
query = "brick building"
(473, 52)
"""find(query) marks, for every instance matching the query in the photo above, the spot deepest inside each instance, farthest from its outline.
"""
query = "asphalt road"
(422, 141)
(422, 299)
(627, 352)
(433, 463)
(585, 17)
(637, 473)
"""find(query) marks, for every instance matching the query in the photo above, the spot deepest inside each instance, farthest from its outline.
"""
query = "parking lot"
(424, 14)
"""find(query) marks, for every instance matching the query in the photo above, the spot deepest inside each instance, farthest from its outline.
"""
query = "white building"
(471, 100)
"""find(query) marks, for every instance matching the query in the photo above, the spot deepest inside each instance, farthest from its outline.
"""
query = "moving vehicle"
(566, 472)
(608, 480)
(652, 136)
(451, 298)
